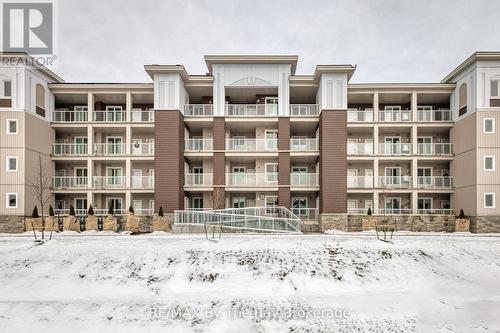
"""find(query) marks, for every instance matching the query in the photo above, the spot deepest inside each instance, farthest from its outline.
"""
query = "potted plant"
(462, 223)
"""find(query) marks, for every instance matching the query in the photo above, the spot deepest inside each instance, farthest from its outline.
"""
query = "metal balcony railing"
(434, 115)
(108, 182)
(403, 182)
(394, 149)
(69, 149)
(69, 182)
(360, 149)
(197, 145)
(109, 116)
(359, 181)
(304, 144)
(142, 149)
(143, 116)
(247, 179)
(142, 182)
(359, 116)
(435, 149)
(198, 110)
(304, 110)
(251, 145)
(251, 110)
(394, 116)
(435, 211)
(426, 182)
(306, 214)
(109, 149)
(67, 116)
(198, 179)
(300, 179)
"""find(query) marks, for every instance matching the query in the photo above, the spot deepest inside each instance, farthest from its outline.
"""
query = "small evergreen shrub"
(51, 211)
(91, 210)
(131, 210)
(160, 211)
(60, 206)
(461, 215)
(369, 213)
(34, 214)
(72, 210)
(111, 210)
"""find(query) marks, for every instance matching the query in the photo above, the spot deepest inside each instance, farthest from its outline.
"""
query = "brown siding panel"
(219, 133)
(219, 169)
(284, 133)
(6, 103)
(284, 179)
(333, 161)
(284, 197)
(169, 160)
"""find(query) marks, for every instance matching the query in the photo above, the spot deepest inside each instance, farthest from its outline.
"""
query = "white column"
(375, 140)
(375, 202)
(414, 202)
(375, 173)
(128, 106)
(128, 200)
(90, 106)
(128, 139)
(128, 174)
(414, 106)
(375, 106)
(90, 199)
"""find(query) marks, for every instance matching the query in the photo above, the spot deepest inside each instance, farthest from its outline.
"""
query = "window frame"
(7, 163)
(492, 125)
(498, 88)
(7, 126)
(7, 195)
(492, 162)
(3, 88)
(493, 194)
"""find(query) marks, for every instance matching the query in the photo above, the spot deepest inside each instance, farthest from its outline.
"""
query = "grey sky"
(390, 41)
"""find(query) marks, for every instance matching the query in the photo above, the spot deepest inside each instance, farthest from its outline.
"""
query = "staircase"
(259, 219)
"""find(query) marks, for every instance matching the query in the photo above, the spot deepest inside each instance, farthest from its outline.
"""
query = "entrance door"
(136, 178)
(239, 202)
(137, 204)
(392, 177)
(80, 206)
(197, 203)
(114, 145)
(352, 179)
(116, 203)
(393, 205)
(271, 173)
(368, 181)
(299, 206)
(271, 140)
(352, 206)
(424, 177)
(368, 147)
(114, 177)
(271, 106)
(392, 145)
(299, 175)
(114, 113)
(136, 147)
(424, 145)
(198, 175)
(239, 175)
(80, 145)
(425, 205)
(271, 204)
(151, 206)
(80, 112)
(352, 146)
(81, 177)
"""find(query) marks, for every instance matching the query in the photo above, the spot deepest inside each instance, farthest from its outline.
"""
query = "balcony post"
(375, 106)
(414, 202)
(128, 140)
(375, 172)
(90, 106)
(128, 106)
(414, 102)
(375, 140)
(375, 202)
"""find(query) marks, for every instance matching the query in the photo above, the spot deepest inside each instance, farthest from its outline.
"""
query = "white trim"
(115, 108)
(265, 172)
(2, 89)
(7, 199)
(493, 199)
(301, 198)
(120, 199)
(425, 137)
(300, 167)
(392, 137)
(7, 163)
(426, 198)
(492, 125)
(398, 199)
(7, 127)
(240, 167)
(492, 162)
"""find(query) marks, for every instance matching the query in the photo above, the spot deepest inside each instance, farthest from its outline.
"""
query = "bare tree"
(39, 187)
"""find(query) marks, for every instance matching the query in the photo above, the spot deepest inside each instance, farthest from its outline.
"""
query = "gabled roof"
(34, 63)
(251, 59)
(476, 56)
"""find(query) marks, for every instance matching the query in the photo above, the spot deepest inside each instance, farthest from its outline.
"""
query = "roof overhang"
(348, 69)
(167, 69)
(476, 56)
(29, 61)
(252, 59)
(401, 87)
(101, 87)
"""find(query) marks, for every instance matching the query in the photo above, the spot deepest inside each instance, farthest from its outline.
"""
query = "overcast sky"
(389, 40)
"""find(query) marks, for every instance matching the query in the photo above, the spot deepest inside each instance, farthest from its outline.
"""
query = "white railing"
(109, 149)
(142, 149)
(435, 182)
(69, 182)
(109, 116)
(108, 182)
(142, 182)
(435, 149)
(253, 145)
(394, 149)
(105, 211)
(358, 211)
(306, 214)
(143, 116)
(252, 110)
(198, 179)
(304, 110)
(304, 144)
(437, 211)
(198, 110)
(304, 179)
(359, 148)
(359, 181)
(395, 182)
(252, 179)
(65, 211)
(395, 211)
(434, 115)
(198, 145)
(69, 149)
(394, 115)
(63, 116)
(359, 116)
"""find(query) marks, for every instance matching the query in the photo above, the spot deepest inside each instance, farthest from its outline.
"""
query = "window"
(489, 200)
(494, 88)
(11, 200)
(11, 163)
(489, 125)
(11, 126)
(271, 172)
(462, 100)
(7, 89)
(40, 100)
(489, 163)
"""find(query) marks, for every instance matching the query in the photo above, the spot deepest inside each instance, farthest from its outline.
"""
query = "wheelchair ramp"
(258, 219)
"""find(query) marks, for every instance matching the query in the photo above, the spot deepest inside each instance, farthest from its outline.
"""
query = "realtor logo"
(27, 27)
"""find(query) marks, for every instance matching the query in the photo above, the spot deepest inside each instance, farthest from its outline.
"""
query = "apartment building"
(253, 133)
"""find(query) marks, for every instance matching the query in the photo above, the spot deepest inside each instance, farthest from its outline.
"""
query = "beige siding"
(39, 134)
(481, 189)
(11, 140)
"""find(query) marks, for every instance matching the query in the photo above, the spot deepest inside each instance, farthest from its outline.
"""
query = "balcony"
(108, 182)
(360, 149)
(301, 179)
(304, 110)
(306, 214)
(109, 116)
(435, 149)
(109, 149)
(69, 149)
(395, 211)
(438, 211)
(198, 110)
(394, 149)
(197, 145)
(198, 180)
(434, 115)
(359, 182)
(69, 182)
(395, 182)
(359, 116)
(252, 110)
(64, 116)
(142, 182)
(304, 144)
(393, 116)
(252, 179)
(251, 145)
(143, 116)
(435, 182)
(141, 149)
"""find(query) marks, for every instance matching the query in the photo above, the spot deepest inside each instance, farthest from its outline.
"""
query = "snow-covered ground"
(250, 283)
